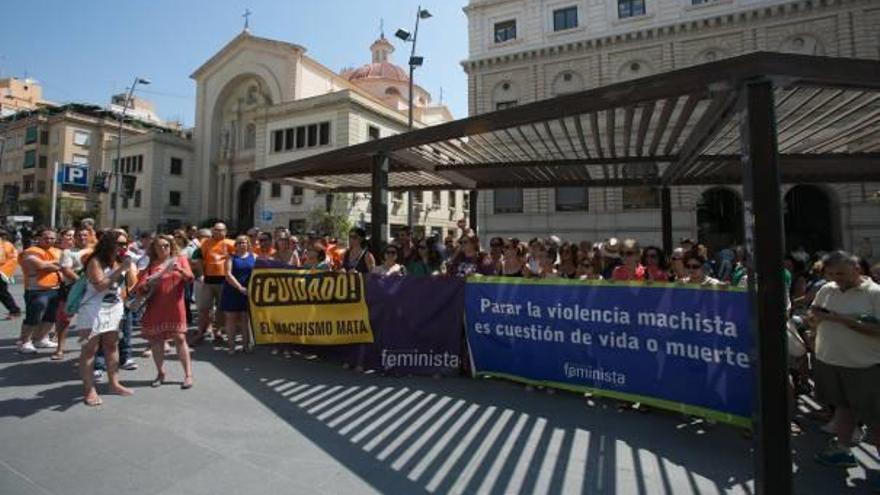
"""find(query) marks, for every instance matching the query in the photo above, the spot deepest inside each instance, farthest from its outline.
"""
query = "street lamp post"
(414, 62)
(117, 172)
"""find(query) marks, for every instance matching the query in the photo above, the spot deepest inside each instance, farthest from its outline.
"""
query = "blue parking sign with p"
(75, 175)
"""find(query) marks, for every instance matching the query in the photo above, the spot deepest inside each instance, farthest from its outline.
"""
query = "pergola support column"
(763, 216)
(472, 210)
(666, 218)
(379, 203)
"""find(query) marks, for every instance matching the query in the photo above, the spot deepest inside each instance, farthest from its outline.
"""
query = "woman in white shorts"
(101, 311)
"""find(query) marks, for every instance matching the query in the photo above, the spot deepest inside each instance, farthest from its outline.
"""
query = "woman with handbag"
(100, 312)
(161, 287)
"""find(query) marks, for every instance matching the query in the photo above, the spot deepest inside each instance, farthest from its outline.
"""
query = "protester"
(589, 268)
(264, 249)
(41, 267)
(568, 259)
(357, 258)
(89, 225)
(546, 258)
(163, 281)
(8, 265)
(695, 264)
(234, 302)
(631, 268)
(846, 315)
(406, 247)
(514, 258)
(100, 312)
(316, 258)
(469, 260)
(69, 268)
(215, 253)
(428, 261)
(496, 252)
(610, 256)
(390, 266)
(654, 261)
(679, 272)
(285, 249)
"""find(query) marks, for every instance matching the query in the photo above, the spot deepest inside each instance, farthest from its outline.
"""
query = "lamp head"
(143, 80)
(416, 61)
(403, 34)
(424, 14)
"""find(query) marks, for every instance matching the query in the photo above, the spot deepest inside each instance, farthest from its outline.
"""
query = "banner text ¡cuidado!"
(292, 288)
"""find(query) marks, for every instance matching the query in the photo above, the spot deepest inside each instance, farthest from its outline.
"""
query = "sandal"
(97, 401)
(56, 357)
(187, 383)
(159, 381)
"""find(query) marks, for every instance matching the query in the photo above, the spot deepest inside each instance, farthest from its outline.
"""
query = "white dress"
(100, 311)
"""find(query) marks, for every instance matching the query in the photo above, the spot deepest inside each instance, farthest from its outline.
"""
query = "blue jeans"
(124, 344)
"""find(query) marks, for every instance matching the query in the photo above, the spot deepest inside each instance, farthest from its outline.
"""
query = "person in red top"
(215, 251)
(41, 265)
(654, 261)
(631, 269)
(164, 280)
(8, 264)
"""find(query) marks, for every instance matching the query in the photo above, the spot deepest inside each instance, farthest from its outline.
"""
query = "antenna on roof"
(381, 28)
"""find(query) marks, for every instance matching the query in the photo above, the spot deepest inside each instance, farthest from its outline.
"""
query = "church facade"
(262, 102)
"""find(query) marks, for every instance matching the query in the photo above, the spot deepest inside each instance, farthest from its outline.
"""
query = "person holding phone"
(101, 311)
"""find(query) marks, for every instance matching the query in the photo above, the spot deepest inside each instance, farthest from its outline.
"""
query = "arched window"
(567, 82)
(505, 95)
(802, 44)
(634, 69)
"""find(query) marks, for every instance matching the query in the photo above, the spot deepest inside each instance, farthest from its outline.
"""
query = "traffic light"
(102, 182)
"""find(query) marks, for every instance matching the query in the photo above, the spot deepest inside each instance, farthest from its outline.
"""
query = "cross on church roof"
(247, 15)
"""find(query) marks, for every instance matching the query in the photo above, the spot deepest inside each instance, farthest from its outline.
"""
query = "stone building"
(262, 102)
(527, 50)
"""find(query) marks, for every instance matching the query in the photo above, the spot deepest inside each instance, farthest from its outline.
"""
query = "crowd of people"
(104, 283)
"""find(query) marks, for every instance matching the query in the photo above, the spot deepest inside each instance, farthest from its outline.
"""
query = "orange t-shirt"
(264, 253)
(214, 256)
(41, 279)
(10, 259)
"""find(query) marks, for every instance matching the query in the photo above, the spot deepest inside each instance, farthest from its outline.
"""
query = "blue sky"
(84, 51)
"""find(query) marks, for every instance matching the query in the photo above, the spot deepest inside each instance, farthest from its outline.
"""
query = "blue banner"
(683, 348)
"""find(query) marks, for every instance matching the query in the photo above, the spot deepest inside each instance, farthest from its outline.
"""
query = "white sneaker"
(27, 348)
(130, 365)
(97, 374)
(45, 344)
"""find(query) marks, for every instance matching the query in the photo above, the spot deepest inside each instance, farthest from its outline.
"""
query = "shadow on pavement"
(424, 435)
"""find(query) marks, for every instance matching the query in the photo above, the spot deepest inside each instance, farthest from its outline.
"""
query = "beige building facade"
(263, 102)
(527, 50)
(19, 94)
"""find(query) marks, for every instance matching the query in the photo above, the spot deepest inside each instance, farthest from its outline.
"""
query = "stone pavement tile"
(15, 482)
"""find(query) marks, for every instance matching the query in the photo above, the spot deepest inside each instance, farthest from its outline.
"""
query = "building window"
(324, 133)
(288, 138)
(125, 202)
(30, 159)
(566, 18)
(278, 140)
(630, 8)
(372, 132)
(81, 138)
(43, 161)
(505, 31)
(435, 199)
(276, 190)
(250, 136)
(176, 166)
(41, 187)
(452, 199)
(702, 2)
(140, 163)
(300, 137)
(31, 135)
(137, 198)
(296, 197)
(80, 159)
(44, 137)
(501, 105)
(572, 199)
(313, 136)
(28, 184)
(112, 200)
(508, 200)
(174, 198)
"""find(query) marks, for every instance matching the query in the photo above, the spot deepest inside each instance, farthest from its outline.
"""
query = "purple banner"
(417, 325)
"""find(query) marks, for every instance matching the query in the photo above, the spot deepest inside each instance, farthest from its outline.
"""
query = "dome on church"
(378, 70)
(381, 66)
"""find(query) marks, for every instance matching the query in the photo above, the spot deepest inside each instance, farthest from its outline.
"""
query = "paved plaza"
(260, 424)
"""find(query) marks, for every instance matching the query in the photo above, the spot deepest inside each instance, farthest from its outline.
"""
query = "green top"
(419, 268)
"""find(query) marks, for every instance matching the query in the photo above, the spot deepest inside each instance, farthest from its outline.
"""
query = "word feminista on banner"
(308, 307)
(677, 347)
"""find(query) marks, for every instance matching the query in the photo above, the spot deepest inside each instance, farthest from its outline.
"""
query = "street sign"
(266, 215)
(75, 175)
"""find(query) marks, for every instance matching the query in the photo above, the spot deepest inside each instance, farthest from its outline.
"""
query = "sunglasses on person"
(265, 239)
(651, 255)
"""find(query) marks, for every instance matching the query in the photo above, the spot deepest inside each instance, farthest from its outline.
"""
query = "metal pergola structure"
(759, 120)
